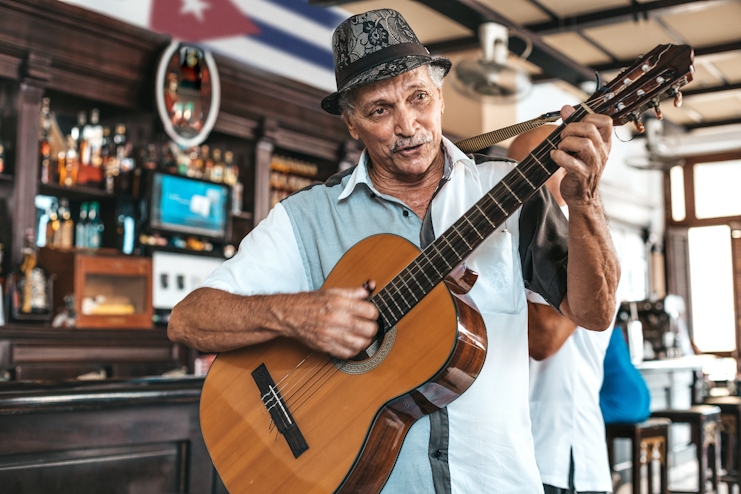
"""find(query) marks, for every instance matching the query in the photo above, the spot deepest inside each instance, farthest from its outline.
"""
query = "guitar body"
(353, 415)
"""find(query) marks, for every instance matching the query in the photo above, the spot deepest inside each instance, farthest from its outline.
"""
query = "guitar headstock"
(655, 76)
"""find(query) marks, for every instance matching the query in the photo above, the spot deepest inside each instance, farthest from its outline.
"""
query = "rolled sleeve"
(544, 247)
(268, 261)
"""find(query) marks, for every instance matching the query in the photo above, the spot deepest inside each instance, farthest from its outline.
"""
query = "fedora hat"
(374, 46)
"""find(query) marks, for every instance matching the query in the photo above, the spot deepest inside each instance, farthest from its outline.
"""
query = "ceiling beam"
(712, 123)
(711, 89)
(471, 13)
(707, 50)
(635, 11)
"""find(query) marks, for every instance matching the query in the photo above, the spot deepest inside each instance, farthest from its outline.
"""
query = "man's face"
(399, 121)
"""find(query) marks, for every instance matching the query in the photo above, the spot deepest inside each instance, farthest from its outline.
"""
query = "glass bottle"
(81, 228)
(94, 227)
(66, 225)
(95, 139)
(33, 297)
(208, 163)
(44, 144)
(231, 171)
(78, 134)
(52, 226)
(71, 162)
(217, 173)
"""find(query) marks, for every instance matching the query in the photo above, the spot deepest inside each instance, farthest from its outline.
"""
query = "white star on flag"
(195, 7)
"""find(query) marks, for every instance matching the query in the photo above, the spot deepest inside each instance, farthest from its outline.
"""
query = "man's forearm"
(593, 270)
(214, 320)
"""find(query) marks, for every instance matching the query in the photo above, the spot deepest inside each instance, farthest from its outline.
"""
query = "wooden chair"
(649, 443)
(704, 421)
(730, 418)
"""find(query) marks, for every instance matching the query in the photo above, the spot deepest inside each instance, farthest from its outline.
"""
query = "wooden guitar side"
(353, 423)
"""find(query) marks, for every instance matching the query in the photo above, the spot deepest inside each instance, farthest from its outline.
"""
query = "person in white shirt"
(414, 183)
(566, 371)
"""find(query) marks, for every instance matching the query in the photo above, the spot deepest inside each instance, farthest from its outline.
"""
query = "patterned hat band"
(379, 57)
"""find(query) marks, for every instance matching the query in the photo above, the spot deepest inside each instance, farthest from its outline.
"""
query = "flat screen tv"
(186, 205)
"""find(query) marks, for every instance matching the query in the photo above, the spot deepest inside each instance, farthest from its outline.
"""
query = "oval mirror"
(188, 93)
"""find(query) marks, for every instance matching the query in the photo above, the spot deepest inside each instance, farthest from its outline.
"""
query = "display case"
(106, 290)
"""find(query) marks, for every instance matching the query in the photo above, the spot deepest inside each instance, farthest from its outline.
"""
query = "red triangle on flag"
(199, 20)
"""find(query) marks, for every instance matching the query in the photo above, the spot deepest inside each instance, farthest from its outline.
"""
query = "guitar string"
(285, 391)
(423, 263)
(458, 231)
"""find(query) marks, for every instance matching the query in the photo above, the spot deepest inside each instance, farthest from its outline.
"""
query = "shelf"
(79, 192)
(149, 249)
(6, 177)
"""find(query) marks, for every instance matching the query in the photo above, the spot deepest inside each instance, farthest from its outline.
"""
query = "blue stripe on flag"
(325, 17)
(293, 45)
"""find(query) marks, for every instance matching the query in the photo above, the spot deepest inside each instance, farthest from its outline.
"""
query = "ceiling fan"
(491, 78)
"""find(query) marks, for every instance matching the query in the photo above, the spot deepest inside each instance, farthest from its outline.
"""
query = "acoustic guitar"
(279, 417)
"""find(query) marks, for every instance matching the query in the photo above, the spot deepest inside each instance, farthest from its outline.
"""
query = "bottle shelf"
(6, 177)
(78, 192)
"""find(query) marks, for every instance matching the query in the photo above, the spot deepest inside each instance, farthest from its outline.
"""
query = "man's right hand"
(338, 321)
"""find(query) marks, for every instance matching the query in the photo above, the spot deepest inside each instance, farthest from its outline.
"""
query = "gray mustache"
(408, 142)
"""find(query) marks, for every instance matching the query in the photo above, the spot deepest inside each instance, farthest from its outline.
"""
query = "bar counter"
(110, 436)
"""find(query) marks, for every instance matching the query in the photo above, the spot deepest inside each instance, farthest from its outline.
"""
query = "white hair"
(347, 98)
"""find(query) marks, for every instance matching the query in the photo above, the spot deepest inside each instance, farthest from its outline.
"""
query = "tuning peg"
(678, 99)
(639, 126)
(659, 115)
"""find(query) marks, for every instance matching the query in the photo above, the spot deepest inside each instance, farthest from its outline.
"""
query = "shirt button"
(405, 213)
(437, 453)
(373, 196)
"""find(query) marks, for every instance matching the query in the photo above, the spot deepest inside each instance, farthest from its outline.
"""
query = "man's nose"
(406, 121)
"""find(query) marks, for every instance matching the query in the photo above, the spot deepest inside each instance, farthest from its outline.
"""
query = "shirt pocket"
(496, 290)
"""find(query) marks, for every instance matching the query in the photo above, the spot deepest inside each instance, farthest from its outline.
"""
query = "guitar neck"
(439, 258)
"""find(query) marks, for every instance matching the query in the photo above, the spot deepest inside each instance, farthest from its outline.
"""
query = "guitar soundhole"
(369, 359)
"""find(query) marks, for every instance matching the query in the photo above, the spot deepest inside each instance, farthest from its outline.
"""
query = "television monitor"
(186, 205)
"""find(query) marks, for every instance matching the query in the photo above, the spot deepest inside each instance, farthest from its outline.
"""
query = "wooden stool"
(730, 418)
(648, 440)
(704, 421)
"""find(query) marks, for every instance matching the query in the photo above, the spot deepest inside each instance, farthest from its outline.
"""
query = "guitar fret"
(447, 264)
(399, 292)
(409, 289)
(451, 246)
(526, 180)
(462, 236)
(465, 217)
(497, 203)
(552, 145)
(541, 164)
(511, 192)
(433, 267)
(485, 216)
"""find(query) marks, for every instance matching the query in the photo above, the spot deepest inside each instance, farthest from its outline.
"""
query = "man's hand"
(583, 153)
(339, 321)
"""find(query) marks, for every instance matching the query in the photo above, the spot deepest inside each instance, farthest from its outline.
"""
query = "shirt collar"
(360, 174)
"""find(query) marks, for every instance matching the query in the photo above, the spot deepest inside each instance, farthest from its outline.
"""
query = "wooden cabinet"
(109, 291)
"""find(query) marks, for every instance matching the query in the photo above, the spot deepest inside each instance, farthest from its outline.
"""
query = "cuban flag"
(286, 37)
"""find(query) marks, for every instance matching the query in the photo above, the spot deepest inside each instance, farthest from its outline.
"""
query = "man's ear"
(350, 126)
(442, 100)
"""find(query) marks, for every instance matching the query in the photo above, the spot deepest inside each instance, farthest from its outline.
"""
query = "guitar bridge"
(279, 412)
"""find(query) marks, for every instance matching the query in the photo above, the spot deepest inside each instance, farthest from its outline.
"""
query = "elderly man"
(566, 373)
(412, 182)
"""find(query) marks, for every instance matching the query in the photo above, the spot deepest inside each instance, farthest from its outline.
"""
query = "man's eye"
(379, 111)
(421, 96)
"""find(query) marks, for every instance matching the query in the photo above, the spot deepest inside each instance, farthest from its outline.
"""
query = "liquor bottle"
(231, 171)
(95, 139)
(52, 226)
(45, 145)
(217, 173)
(77, 134)
(122, 179)
(81, 228)
(94, 227)
(66, 225)
(62, 168)
(208, 163)
(31, 296)
(71, 162)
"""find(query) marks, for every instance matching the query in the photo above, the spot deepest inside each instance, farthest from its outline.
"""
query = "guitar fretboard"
(436, 261)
